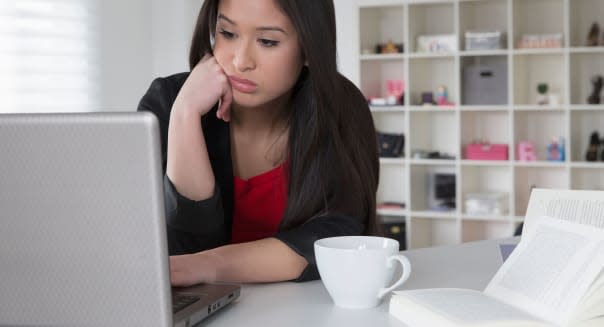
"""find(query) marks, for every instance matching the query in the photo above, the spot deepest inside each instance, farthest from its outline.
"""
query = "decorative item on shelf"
(376, 101)
(594, 35)
(425, 154)
(391, 205)
(397, 231)
(427, 99)
(602, 157)
(537, 41)
(594, 147)
(542, 97)
(390, 145)
(553, 99)
(483, 40)
(395, 90)
(526, 151)
(442, 96)
(443, 188)
(389, 47)
(443, 43)
(486, 151)
(597, 81)
(555, 150)
(486, 203)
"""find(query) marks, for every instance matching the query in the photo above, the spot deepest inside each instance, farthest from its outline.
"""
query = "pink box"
(486, 151)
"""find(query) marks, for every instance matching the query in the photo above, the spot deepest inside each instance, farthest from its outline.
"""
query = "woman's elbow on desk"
(266, 260)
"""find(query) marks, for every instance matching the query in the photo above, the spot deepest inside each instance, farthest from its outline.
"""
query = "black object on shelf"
(390, 145)
(593, 35)
(597, 83)
(396, 231)
(593, 148)
(444, 190)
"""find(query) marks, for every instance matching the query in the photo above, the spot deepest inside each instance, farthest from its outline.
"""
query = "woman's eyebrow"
(261, 28)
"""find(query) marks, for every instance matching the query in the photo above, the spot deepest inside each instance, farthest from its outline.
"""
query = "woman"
(267, 148)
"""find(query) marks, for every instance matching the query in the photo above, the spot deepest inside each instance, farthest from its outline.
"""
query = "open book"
(554, 277)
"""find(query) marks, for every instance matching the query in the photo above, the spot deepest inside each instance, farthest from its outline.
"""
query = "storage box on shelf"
(533, 89)
(551, 15)
(478, 17)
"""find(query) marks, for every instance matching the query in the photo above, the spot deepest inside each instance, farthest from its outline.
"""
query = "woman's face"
(257, 47)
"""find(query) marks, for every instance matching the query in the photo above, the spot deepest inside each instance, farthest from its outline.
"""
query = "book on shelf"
(554, 277)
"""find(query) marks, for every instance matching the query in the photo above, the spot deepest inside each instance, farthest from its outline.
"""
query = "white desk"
(469, 265)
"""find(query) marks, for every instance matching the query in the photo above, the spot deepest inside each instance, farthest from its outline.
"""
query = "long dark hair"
(334, 167)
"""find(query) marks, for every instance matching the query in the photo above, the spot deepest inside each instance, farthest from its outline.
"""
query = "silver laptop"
(82, 232)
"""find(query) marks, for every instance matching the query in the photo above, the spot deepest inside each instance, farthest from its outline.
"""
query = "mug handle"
(406, 272)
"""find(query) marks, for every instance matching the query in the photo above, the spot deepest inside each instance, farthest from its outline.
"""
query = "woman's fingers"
(224, 109)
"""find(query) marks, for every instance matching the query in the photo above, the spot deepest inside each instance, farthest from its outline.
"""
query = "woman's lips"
(243, 85)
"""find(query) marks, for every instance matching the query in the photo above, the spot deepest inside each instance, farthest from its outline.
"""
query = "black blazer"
(200, 225)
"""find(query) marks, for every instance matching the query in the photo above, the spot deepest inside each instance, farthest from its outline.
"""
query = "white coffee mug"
(356, 269)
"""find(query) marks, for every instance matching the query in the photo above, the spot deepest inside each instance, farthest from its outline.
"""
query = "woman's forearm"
(266, 260)
(188, 165)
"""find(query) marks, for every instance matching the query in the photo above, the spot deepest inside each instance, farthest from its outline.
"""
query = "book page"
(592, 304)
(455, 307)
(551, 270)
(583, 207)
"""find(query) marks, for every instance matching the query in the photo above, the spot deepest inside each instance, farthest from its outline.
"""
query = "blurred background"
(89, 55)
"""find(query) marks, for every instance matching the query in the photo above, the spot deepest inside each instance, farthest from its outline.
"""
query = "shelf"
(393, 161)
(430, 55)
(501, 218)
(483, 53)
(483, 108)
(538, 51)
(432, 162)
(422, 2)
(507, 110)
(587, 107)
(434, 214)
(598, 49)
(582, 13)
(397, 108)
(392, 212)
(486, 163)
(582, 124)
(432, 108)
(583, 68)
(538, 108)
(389, 56)
(530, 71)
(380, 3)
(540, 164)
(588, 165)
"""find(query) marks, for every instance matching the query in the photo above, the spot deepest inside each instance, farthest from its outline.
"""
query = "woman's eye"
(268, 43)
(226, 34)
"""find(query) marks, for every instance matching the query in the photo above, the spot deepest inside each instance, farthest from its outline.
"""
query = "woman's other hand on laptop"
(191, 269)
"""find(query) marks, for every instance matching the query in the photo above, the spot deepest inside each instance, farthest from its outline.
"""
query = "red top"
(259, 204)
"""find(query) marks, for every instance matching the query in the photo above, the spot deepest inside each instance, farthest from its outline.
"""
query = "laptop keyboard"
(180, 301)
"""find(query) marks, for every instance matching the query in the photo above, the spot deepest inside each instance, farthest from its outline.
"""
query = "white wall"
(140, 40)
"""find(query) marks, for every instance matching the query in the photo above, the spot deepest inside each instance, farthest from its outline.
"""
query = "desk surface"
(469, 265)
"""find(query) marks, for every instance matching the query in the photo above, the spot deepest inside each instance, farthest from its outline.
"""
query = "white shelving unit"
(567, 70)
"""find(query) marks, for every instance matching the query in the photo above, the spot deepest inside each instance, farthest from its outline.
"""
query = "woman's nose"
(244, 58)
